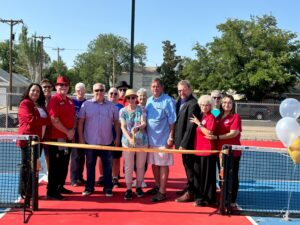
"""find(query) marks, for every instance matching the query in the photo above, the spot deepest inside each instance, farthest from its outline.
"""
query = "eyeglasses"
(47, 86)
(99, 90)
(216, 97)
(63, 85)
(131, 97)
(122, 89)
(112, 93)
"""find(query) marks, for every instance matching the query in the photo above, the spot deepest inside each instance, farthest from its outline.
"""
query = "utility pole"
(42, 52)
(12, 23)
(58, 57)
(132, 42)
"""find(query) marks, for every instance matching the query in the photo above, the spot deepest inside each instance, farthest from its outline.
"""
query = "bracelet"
(218, 137)
(200, 125)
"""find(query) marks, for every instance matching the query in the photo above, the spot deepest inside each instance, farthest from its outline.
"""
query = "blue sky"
(74, 24)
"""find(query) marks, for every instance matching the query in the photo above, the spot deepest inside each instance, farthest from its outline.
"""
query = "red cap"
(62, 80)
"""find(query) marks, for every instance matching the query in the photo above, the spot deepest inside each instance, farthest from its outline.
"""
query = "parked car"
(253, 111)
(12, 120)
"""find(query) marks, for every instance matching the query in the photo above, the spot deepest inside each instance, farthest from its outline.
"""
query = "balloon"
(294, 150)
(287, 130)
(290, 107)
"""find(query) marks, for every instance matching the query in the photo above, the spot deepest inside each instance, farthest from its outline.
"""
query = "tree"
(253, 57)
(4, 56)
(107, 56)
(29, 57)
(170, 68)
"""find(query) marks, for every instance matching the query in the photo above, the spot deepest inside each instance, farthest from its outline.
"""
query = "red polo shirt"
(201, 143)
(230, 122)
(63, 109)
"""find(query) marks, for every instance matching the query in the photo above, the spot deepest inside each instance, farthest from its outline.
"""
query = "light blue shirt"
(215, 112)
(98, 120)
(161, 113)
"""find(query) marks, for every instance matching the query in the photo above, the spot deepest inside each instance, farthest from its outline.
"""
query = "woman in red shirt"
(32, 114)
(33, 118)
(228, 131)
(205, 161)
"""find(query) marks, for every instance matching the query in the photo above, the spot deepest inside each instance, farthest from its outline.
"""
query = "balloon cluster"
(288, 129)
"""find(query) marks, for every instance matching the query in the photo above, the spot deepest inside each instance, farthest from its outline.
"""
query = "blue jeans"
(91, 159)
(77, 164)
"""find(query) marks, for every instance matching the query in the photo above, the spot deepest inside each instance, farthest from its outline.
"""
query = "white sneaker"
(144, 185)
(134, 183)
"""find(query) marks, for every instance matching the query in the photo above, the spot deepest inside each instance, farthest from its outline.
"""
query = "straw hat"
(130, 92)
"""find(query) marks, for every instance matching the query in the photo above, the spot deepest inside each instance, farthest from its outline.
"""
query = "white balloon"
(287, 130)
(290, 107)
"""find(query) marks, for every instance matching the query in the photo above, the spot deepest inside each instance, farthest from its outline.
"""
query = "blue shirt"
(215, 112)
(98, 120)
(161, 113)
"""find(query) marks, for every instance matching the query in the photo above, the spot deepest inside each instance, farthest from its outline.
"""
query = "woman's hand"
(211, 137)
(131, 142)
(134, 130)
(195, 120)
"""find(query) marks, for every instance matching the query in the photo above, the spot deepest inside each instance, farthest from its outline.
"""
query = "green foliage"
(170, 68)
(107, 56)
(253, 57)
(29, 56)
(4, 56)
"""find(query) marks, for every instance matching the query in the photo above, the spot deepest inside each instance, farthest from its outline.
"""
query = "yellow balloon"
(294, 150)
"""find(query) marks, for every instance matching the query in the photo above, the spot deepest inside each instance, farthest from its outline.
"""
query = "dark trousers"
(205, 178)
(235, 184)
(58, 168)
(91, 160)
(77, 164)
(188, 161)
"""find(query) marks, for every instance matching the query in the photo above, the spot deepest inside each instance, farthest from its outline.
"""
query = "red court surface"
(98, 209)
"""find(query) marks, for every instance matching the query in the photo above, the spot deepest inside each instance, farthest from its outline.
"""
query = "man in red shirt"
(122, 87)
(62, 112)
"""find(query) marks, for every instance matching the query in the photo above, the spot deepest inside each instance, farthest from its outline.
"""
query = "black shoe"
(128, 194)
(181, 192)
(139, 192)
(153, 191)
(63, 190)
(200, 202)
(115, 182)
(159, 197)
(54, 196)
(100, 182)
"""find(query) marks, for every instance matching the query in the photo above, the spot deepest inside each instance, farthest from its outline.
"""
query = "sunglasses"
(115, 94)
(216, 97)
(122, 89)
(99, 90)
(63, 85)
(47, 86)
(131, 97)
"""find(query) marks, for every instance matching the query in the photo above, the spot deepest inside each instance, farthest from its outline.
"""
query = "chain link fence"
(9, 111)
(259, 119)
(258, 111)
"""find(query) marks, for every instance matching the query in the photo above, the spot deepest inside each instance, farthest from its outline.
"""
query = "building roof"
(18, 80)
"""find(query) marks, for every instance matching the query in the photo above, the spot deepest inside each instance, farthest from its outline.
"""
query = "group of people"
(132, 120)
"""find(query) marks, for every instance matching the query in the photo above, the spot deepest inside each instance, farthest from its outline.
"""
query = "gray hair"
(205, 99)
(141, 91)
(185, 83)
(159, 81)
(215, 93)
(102, 85)
(113, 89)
(79, 86)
